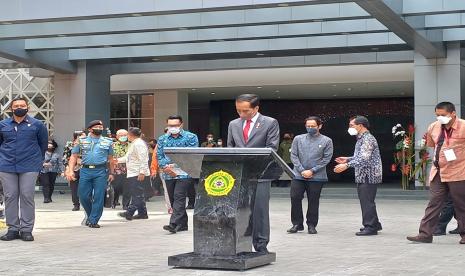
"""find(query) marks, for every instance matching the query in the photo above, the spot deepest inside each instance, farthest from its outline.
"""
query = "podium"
(228, 181)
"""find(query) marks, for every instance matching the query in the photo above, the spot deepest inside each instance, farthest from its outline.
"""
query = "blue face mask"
(123, 139)
(312, 131)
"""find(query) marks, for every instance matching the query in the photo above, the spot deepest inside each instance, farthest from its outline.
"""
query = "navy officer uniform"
(97, 154)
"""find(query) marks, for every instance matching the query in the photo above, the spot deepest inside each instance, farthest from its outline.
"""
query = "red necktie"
(246, 130)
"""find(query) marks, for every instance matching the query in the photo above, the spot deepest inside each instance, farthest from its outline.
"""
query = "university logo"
(219, 183)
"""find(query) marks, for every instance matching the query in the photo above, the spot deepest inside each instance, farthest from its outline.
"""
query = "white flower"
(422, 143)
(398, 125)
(394, 129)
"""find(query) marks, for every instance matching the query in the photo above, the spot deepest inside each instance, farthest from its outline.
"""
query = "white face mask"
(444, 119)
(352, 131)
(174, 130)
(220, 143)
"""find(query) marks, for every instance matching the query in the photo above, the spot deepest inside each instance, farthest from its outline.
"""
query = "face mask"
(352, 131)
(20, 112)
(97, 132)
(123, 139)
(220, 143)
(312, 131)
(209, 139)
(444, 120)
(174, 130)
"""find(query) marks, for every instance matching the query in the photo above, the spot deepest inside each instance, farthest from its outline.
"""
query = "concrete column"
(167, 103)
(80, 98)
(438, 80)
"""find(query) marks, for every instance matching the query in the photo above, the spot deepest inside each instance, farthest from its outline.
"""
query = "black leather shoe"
(262, 251)
(76, 208)
(10, 235)
(47, 200)
(379, 228)
(189, 206)
(312, 230)
(367, 232)
(169, 227)
(27, 236)
(94, 225)
(439, 232)
(144, 216)
(125, 215)
(295, 229)
(454, 232)
(179, 228)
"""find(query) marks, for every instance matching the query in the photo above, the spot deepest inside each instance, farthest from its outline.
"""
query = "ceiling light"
(334, 95)
(136, 14)
(277, 91)
(182, 28)
(317, 20)
(155, 59)
(194, 89)
(259, 87)
(283, 5)
(61, 35)
(334, 85)
(374, 49)
(349, 89)
(213, 93)
(260, 54)
(6, 23)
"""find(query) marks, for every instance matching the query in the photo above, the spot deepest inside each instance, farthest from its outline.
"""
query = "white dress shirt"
(136, 159)
(252, 124)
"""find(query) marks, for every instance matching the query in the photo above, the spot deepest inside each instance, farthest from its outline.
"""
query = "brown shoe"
(462, 241)
(421, 239)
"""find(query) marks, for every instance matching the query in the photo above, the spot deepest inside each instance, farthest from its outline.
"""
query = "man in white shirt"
(137, 164)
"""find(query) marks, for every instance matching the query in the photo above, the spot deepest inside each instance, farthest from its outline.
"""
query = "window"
(133, 110)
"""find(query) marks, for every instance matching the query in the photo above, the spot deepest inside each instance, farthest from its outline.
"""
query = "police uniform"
(94, 173)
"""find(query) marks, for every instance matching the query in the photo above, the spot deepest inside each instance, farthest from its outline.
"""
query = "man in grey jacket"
(253, 130)
(310, 154)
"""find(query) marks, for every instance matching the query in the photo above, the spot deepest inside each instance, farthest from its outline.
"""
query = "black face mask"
(97, 132)
(20, 112)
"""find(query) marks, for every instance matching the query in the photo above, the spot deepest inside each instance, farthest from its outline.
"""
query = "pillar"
(167, 103)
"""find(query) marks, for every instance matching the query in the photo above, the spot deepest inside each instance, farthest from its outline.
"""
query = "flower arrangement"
(404, 156)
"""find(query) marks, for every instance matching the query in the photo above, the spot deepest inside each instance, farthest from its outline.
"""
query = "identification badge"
(450, 155)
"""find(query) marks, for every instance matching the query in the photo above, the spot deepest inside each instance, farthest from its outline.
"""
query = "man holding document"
(177, 181)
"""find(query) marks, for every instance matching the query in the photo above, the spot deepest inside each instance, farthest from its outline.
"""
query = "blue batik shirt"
(184, 139)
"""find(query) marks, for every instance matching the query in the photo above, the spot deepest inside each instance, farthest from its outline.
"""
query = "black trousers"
(120, 185)
(177, 193)
(136, 190)
(447, 213)
(259, 220)
(192, 192)
(74, 185)
(47, 180)
(366, 195)
(313, 190)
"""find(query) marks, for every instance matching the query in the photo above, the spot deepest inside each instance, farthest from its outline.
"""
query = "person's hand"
(111, 178)
(153, 174)
(169, 170)
(342, 160)
(341, 168)
(307, 174)
(141, 177)
(70, 176)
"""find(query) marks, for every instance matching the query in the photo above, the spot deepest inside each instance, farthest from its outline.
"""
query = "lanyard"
(447, 137)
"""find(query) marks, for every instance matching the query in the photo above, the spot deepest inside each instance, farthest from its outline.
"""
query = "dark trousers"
(191, 193)
(366, 195)
(177, 192)
(447, 213)
(47, 180)
(313, 190)
(74, 186)
(136, 190)
(120, 185)
(439, 191)
(259, 220)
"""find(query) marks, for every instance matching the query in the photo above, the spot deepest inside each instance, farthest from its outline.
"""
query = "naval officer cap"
(94, 123)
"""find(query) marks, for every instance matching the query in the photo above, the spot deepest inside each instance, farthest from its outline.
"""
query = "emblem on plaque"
(219, 183)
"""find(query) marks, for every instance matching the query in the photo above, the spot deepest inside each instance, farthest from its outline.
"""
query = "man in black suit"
(253, 130)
